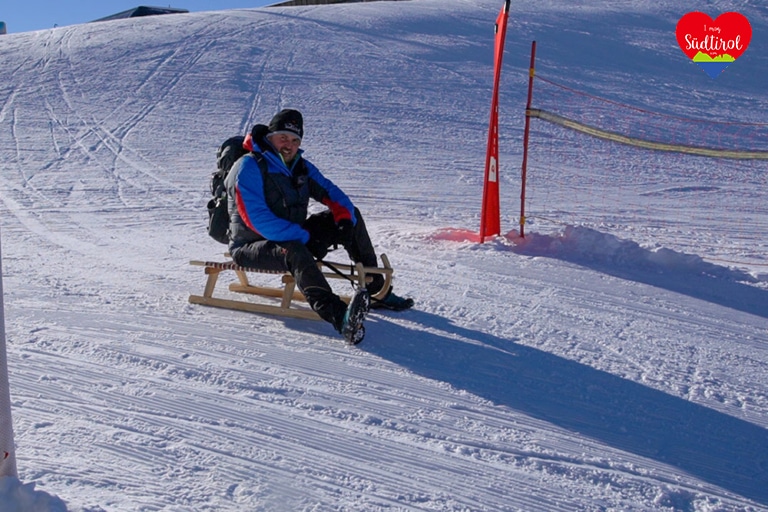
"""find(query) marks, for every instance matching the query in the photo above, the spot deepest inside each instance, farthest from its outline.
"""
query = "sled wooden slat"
(287, 293)
(253, 307)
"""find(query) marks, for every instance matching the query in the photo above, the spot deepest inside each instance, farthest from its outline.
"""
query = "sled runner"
(287, 293)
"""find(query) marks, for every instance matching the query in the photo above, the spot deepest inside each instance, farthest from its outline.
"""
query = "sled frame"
(287, 292)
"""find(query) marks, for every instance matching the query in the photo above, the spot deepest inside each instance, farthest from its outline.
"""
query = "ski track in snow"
(581, 369)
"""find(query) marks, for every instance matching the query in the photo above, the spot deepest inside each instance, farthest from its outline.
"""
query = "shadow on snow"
(710, 445)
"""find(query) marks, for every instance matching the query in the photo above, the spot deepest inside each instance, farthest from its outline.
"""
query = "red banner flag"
(490, 215)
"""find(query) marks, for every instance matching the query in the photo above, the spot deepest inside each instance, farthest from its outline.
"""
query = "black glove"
(345, 233)
(318, 248)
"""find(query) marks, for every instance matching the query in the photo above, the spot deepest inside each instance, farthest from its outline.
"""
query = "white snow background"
(617, 363)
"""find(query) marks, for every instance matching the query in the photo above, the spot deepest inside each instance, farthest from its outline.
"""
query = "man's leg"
(361, 250)
(322, 227)
(295, 258)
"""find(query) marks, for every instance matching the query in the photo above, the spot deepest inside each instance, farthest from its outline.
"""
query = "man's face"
(285, 144)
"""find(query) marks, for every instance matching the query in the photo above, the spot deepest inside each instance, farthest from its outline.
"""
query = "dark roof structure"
(296, 3)
(143, 10)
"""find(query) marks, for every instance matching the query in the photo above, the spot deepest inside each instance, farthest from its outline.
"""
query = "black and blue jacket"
(269, 199)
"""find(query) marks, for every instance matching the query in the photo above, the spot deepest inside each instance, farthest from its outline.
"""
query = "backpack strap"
(261, 161)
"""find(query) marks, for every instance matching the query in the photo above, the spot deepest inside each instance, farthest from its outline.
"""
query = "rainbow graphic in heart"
(713, 44)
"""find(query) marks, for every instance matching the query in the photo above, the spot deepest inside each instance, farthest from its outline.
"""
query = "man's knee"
(298, 256)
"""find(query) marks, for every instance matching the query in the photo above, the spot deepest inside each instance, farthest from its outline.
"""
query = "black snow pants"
(294, 257)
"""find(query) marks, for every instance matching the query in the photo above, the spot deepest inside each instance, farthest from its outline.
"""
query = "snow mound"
(591, 247)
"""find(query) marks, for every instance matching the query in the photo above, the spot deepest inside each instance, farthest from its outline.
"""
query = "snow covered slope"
(584, 368)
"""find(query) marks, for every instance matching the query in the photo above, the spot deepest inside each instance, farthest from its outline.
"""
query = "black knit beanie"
(287, 121)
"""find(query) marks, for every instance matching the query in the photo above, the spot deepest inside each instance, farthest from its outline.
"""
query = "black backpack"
(228, 153)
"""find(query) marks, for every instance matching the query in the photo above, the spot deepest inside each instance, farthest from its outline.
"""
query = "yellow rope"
(659, 146)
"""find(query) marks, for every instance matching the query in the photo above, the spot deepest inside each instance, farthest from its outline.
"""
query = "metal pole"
(531, 74)
(7, 451)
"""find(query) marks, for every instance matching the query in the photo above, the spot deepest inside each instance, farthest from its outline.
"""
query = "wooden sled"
(287, 293)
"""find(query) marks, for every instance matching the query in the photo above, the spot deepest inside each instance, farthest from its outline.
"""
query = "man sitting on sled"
(270, 230)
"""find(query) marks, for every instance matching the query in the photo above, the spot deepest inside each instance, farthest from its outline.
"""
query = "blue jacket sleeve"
(330, 195)
(254, 211)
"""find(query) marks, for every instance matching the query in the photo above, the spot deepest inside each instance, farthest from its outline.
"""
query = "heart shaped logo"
(713, 44)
